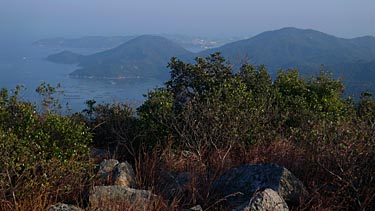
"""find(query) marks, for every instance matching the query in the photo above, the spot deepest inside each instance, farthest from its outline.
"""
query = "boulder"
(105, 170)
(195, 208)
(239, 184)
(107, 198)
(123, 174)
(265, 200)
(63, 207)
(114, 173)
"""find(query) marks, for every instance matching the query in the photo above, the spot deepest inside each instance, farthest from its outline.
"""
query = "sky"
(213, 18)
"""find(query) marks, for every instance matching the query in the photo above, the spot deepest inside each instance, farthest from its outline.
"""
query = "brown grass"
(338, 178)
(334, 176)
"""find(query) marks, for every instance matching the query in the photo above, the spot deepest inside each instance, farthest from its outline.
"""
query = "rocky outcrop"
(123, 174)
(265, 200)
(239, 184)
(114, 173)
(253, 187)
(107, 198)
(63, 207)
(105, 170)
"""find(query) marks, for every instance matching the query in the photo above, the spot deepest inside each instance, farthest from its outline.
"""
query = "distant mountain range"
(144, 56)
(353, 60)
(308, 50)
(100, 43)
(292, 47)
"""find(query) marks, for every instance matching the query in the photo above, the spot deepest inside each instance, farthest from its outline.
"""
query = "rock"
(195, 208)
(105, 170)
(239, 184)
(124, 175)
(265, 200)
(114, 173)
(63, 207)
(107, 198)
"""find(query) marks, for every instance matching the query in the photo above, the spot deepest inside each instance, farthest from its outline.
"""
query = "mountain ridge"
(305, 49)
(142, 56)
(293, 46)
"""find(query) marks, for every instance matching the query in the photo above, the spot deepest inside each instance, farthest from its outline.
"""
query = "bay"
(22, 63)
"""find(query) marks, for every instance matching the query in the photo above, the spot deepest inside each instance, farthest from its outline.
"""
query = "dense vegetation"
(43, 155)
(221, 117)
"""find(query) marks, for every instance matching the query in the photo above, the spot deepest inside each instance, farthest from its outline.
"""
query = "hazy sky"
(218, 18)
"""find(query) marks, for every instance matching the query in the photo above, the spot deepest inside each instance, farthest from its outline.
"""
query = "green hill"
(353, 60)
(65, 57)
(292, 47)
(305, 49)
(144, 56)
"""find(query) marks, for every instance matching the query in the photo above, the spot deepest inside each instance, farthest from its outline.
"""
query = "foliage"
(49, 100)
(208, 117)
(40, 153)
(203, 107)
(114, 127)
(212, 110)
(238, 107)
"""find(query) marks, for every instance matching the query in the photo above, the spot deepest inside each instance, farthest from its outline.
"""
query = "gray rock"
(105, 171)
(195, 208)
(124, 175)
(266, 200)
(107, 198)
(63, 207)
(114, 173)
(239, 184)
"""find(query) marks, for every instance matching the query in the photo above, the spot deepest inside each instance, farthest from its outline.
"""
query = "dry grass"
(337, 178)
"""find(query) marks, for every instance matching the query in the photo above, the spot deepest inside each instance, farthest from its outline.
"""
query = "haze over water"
(71, 18)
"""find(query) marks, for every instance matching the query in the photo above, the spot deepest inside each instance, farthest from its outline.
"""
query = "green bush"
(225, 117)
(42, 155)
(203, 106)
(207, 102)
(114, 127)
(212, 110)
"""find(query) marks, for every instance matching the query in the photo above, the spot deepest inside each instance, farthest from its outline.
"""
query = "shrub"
(228, 117)
(114, 127)
(202, 108)
(43, 156)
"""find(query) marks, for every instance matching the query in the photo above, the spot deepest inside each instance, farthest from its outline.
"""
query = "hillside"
(191, 43)
(144, 56)
(65, 57)
(305, 49)
(309, 51)
(292, 47)
(206, 135)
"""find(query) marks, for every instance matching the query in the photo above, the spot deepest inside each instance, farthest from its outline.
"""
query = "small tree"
(40, 155)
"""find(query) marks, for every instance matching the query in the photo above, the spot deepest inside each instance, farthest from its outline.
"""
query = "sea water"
(23, 63)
